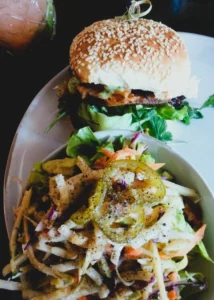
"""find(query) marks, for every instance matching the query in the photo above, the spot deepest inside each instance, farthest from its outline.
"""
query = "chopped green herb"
(208, 102)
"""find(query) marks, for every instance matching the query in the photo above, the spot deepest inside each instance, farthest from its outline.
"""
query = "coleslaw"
(105, 222)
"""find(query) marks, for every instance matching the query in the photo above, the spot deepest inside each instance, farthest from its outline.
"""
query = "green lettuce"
(181, 224)
(169, 112)
(192, 113)
(208, 102)
(108, 146)
(183, 112)
(133, 117)
(193, 283)
(137, 117)
(147, 158)
(99, 120)
(83, 143)
(203, 251)
(157, 128)
(150, 119)
(119, 142)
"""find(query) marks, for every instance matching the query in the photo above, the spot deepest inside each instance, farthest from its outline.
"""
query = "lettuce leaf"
(133, 117)
(151, 119)
(147, 158)
(158, 129)
(82, 143)
(98, 120)
(183, 112)
(108, 146)
(193, 283)
(193, 113)
(168, 112)
(189, 283)
(119, 142)
(208, 102)
(137, 117)
(181, 224)
(203, 251)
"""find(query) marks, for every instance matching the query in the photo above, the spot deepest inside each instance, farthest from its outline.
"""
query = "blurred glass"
(26, 22)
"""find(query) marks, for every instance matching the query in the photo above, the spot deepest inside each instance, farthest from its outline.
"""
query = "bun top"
(140, 54)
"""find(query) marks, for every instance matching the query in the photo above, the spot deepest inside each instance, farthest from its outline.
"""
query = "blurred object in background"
(24, 23)
(195, 16)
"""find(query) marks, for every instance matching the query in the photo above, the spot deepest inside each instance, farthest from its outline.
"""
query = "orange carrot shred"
(192, 243)
(172, 276)
(123, 153)
(100, 163)
(107, 152)
(108, 249)
(172, 295)
(155, 166)
(131, 253)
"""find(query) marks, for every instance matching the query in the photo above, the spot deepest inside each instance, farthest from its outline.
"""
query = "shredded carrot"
(108, 249)
(121, 154)
(76, 279)
(192, 243)
(173, 276)
(101, 163)
(82, 298)
(172, 295)
(155, 166)
(107, 152)
(132, 253)
(126, 152)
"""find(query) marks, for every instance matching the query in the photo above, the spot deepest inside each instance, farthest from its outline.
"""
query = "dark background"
(21, 77)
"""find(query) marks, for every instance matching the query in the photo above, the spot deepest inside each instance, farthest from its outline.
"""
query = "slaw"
(104, 223)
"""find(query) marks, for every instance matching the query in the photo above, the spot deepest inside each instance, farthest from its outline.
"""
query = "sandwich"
(128, 74)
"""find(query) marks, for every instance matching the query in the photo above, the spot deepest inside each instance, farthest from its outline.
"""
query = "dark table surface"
(23, 76)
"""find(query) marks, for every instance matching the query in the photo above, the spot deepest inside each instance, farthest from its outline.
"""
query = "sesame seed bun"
(140, 54)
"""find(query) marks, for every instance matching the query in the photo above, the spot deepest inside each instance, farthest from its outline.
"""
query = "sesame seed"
(117, 39)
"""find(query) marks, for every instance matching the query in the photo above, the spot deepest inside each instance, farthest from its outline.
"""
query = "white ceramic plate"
(185, 175)
(32, 144)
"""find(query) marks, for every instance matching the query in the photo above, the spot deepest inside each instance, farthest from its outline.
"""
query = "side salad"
(105, 220)
(151, 119)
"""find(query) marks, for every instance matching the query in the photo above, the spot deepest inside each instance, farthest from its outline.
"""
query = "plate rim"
(14, 140)
(196, 34)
